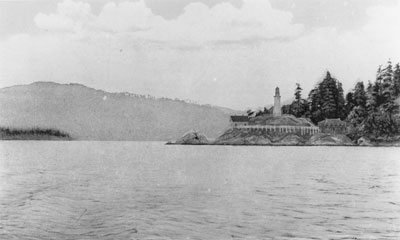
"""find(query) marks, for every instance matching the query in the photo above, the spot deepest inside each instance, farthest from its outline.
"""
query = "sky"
(230, 53)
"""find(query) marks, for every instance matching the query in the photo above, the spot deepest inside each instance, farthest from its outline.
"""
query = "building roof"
(239, 118)
(331, 122)
(284, 120)
(307, 121)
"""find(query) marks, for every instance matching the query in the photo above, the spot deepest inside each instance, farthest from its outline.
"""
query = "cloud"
(126, 47)
(127, 16)
(54, 22)
(256, 19)
(384, 23)
(70, 16)
(343, 15)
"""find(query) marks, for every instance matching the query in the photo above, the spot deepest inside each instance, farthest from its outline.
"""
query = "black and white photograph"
(199, 119)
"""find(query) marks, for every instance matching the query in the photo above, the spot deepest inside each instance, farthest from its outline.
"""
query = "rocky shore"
(192, 138)
(261, 137)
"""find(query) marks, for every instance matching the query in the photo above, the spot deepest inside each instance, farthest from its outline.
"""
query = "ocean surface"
(147, 190)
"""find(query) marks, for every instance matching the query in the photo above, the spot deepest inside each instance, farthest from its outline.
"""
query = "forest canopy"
(370, 110)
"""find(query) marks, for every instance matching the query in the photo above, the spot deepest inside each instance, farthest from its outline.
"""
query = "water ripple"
(152, 191)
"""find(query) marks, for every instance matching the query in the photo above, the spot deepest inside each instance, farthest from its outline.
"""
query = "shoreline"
(34, 138)
(33, 133)
(234, 137)
(285, 145)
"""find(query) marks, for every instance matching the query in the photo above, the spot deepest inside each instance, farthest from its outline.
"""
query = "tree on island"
(375, 111)
(360, 96)
(396, 80)
(327, 100)
(370, 111)
(299, 107)
(356, 109)
(262, 112)
(297, 94)
(350, 103)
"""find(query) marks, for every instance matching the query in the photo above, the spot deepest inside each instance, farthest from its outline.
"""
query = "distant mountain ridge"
(89, 114)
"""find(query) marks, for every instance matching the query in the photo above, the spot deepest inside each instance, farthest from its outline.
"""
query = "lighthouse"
(277, 103)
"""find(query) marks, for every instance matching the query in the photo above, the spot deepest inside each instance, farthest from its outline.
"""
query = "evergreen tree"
(297, 106)
(327, 91)
(297, 92)
(327, 100)
(370, 100)
(356, 117)
(287, 109)
(341, 113)
(372, 96)
(380, 123)
(369, 87)
(355, 120)
(396, 80)
(250, 113)
(299, 109)
(375, 97)
(314, 101)
(387, 97)
(387, 83)
(360, 96)
(349, 102)
(379, 75)
(259, 113)
(381, 119)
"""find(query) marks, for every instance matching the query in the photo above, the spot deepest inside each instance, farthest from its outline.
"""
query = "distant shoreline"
(22, 134)
(34, 138)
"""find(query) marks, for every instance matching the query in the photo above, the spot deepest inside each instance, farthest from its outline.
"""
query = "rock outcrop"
(261, 137)
(258, 137)
(363, 141)
(291, 140)
(243, 137)
(328, 139)
(193, 137)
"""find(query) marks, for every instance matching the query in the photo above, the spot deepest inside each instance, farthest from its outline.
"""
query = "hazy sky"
(230, 53)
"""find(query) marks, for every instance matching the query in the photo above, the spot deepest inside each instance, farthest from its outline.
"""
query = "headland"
(272, 128)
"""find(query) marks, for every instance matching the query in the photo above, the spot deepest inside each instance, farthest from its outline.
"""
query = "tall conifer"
(396, 80)
(360, 96)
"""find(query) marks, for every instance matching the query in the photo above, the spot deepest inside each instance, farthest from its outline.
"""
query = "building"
(239, 121)
(276, 122)
(333, 126)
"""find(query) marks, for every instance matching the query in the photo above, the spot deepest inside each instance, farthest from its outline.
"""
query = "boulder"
(290, 139)
(363, 141)
(329, 139)
(192, 137)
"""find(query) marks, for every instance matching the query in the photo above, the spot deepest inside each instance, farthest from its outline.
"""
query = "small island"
(275, 129)
(33, 134)
(365, 117)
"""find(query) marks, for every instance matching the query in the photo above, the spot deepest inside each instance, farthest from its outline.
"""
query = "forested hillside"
(90, 114)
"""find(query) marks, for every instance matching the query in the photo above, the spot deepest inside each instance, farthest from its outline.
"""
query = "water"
(146, 190)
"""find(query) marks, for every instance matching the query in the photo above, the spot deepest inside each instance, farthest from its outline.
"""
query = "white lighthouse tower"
(277, 103)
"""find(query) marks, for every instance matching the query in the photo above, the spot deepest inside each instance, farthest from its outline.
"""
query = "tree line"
(369, 110)
(6, 131)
